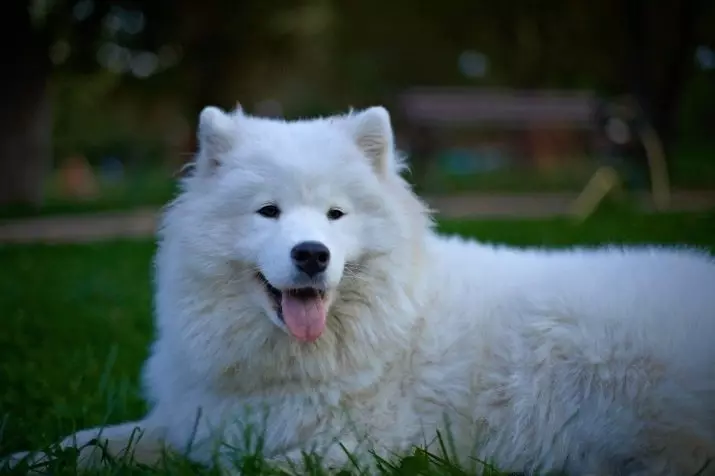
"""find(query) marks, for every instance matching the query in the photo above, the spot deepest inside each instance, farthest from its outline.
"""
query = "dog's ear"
(372, 131)
(217, 136)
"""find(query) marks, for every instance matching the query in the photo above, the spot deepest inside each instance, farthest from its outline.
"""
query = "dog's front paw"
(30, 462)
(14, 460)
(89, 455)
(86, 449)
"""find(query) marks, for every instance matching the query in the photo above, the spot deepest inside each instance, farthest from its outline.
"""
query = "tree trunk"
(637, 66)
(656, 79)
(679, 67)
(25, 119)
(207, 52)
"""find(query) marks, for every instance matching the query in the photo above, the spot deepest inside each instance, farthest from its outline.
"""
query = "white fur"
(593, 361)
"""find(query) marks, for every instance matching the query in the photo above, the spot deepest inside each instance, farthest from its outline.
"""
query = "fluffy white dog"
(302, 294)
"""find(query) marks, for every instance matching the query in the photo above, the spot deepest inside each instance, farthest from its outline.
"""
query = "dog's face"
(297, 208)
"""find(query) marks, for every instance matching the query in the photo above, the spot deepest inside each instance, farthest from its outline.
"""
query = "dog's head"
(294, 214)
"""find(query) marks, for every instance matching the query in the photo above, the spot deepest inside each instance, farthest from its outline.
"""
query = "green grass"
(75, 323)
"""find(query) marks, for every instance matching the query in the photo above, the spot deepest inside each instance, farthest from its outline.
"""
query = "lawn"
(76, 322)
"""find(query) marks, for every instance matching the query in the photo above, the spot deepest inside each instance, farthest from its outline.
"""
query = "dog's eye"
(269, 211)
(335, 214)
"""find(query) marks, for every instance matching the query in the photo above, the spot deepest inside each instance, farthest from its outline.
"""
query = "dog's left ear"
(372, 131)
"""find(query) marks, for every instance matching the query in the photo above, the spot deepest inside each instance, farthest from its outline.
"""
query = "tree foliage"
(335, 53)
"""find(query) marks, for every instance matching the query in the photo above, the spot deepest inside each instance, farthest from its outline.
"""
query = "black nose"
(311, 257)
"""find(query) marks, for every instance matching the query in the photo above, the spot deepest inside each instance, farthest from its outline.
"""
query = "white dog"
(302, 293)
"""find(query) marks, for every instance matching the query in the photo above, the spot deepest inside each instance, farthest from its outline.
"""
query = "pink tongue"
(305, 318)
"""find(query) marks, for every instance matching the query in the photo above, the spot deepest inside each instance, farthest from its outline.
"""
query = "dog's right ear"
(217, 136)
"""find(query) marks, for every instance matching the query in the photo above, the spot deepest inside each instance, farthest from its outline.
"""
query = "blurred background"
(100, 98)
(516, 117)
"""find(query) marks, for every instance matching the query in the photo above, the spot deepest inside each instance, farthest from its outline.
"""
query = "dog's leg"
(139, 442)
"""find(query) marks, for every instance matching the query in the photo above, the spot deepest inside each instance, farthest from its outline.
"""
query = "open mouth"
(302, 310)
